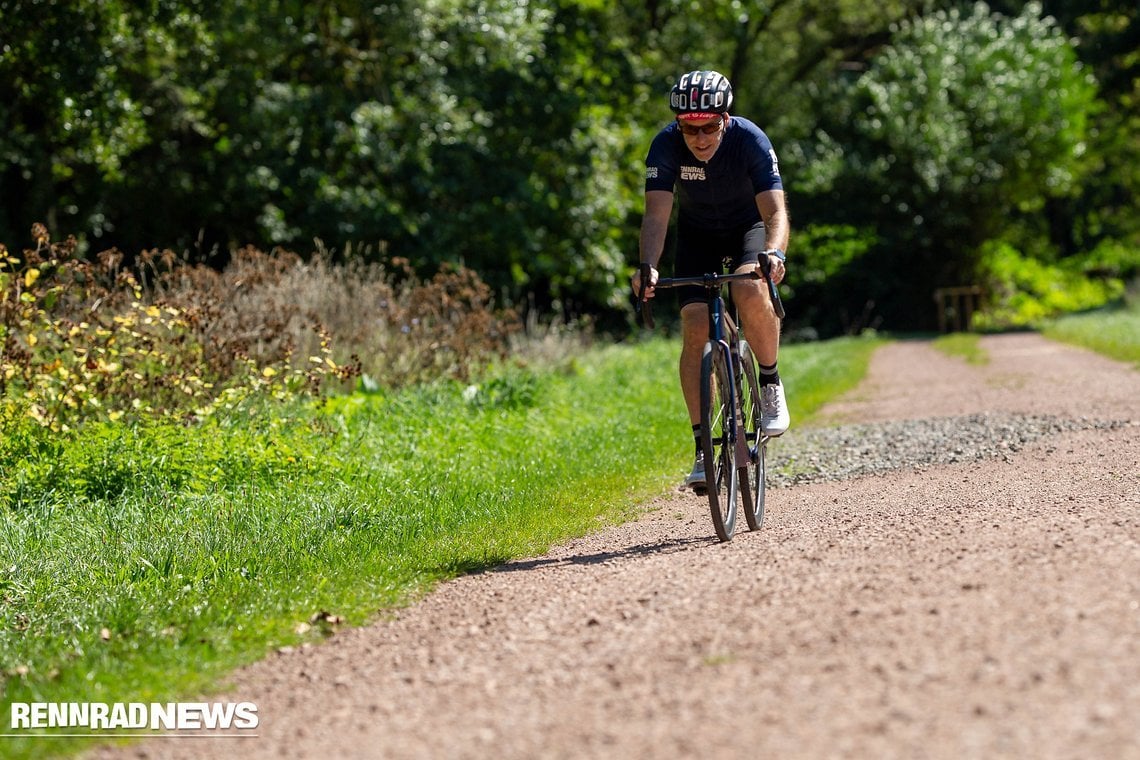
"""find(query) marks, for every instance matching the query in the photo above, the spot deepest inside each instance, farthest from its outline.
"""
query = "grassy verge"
(1114, 332)
(962, 345)
(141, 563)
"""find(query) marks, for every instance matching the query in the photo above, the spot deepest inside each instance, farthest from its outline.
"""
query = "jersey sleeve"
(661, 163)
(764, 167)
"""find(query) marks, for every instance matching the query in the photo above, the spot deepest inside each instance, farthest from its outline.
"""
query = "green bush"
(1112, 258)
(1025, 292)
(829, 284)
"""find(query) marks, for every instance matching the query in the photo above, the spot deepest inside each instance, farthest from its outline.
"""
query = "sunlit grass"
(963, 346)
(1114, 332)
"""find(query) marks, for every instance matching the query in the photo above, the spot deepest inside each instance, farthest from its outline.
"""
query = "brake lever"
(777, 304)
(642, 307)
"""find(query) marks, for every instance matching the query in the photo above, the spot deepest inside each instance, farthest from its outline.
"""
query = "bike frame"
(723, 331)
(726, 339)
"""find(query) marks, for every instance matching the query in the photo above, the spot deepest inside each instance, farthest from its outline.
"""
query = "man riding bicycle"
(731, 207)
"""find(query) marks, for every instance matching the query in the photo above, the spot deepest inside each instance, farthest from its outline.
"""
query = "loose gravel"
(815, 455)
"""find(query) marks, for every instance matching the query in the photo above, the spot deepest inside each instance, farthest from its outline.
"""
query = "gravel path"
(950, 568)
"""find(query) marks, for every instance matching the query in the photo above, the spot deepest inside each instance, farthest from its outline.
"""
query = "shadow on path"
(668, 546)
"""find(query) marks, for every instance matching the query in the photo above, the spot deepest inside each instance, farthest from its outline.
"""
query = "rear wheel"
(751, 469)
(717, 434)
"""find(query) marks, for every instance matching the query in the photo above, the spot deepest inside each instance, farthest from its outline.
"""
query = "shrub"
(83, 340)
(1025, 291)
(404, 330)
(831, 289)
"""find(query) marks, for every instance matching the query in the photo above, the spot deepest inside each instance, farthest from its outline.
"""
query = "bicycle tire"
(717, 436)
(753, 474)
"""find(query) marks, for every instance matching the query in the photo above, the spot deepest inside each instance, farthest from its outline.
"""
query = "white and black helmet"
(701, 92)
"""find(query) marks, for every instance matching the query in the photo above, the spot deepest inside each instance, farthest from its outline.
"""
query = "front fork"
(737, 436)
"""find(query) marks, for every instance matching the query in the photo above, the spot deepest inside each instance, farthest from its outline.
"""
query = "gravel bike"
(732, 442)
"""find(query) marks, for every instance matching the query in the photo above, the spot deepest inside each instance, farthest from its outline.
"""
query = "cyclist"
(731, 206)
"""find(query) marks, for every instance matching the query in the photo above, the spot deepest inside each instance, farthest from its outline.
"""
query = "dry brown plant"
(109, 338)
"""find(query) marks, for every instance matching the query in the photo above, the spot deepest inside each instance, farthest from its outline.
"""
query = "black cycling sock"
(769, 375)
(697, 437)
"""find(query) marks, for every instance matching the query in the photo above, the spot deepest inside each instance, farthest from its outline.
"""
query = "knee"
(694, 324)
(753, 299)
(760, 323)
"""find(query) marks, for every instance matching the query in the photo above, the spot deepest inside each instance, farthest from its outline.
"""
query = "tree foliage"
(1107, 36)
(508, 135)
(964, 129)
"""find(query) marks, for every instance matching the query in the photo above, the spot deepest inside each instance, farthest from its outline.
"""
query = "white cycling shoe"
(696, 479)
(774, 417)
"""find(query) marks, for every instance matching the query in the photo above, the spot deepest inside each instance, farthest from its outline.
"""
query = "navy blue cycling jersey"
(721, 194)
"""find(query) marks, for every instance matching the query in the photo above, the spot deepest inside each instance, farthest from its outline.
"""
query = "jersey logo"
(651, 172)
(693, 172)
(775, 162)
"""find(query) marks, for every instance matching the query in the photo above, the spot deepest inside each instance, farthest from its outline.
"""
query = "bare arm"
(777, 228)
(654, 227)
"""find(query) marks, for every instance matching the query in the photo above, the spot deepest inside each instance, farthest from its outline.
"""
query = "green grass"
(1114, 331)
(962, 345)
(141, 564)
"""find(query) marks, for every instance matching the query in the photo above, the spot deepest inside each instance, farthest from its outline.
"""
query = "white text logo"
(103, 716)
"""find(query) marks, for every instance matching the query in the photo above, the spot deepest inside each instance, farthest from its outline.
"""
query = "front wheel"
(718, 423)
(752, 472)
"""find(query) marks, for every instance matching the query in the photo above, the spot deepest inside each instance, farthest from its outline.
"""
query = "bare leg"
(761, 325)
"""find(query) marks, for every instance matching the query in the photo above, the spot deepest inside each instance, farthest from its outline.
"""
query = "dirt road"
(985, 609)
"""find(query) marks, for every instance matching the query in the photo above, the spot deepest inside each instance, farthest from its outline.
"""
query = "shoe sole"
(773, 433)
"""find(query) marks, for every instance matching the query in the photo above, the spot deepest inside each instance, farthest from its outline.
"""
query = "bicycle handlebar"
(711, 282)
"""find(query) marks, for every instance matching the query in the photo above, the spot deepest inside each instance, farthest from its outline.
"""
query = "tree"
(968, 120)
(498, 147)
(509, 134)
(69, 111)
(1107, 37)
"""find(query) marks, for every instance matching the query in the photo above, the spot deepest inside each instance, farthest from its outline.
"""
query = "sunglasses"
(708, 129)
